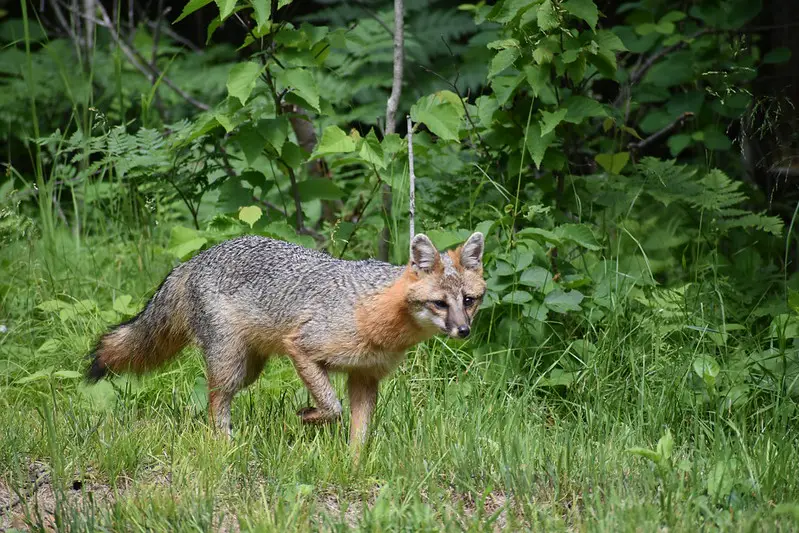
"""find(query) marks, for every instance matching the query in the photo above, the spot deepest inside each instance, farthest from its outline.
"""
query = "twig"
(296, 193)
(374, 15)
(678, 122)
(412, 179)
(636, 76)
(391, 110)
(138, 61)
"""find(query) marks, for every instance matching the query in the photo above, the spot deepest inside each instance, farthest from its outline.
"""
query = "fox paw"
(314, 415)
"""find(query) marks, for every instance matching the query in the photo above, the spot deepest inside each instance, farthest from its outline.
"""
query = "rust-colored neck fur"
(385, 321)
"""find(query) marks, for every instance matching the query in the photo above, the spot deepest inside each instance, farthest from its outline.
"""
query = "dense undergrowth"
(634, 364)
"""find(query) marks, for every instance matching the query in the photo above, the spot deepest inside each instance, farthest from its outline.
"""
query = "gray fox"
(248, 298)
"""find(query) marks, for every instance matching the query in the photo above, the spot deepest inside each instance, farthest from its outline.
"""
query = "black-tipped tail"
(96, 370)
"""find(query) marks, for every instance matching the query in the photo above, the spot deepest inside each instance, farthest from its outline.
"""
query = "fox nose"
(463, 331)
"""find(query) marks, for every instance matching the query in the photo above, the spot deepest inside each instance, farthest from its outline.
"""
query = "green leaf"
(504, 59)
(250, 214)
(443, 239)
(646, 453)
(706, 368)
(304, 85)
(241, 80)
(547, 18)
(578, 234)
(122, 305)
(251, 143)
(563, 302)
(551, 120)
(607, 40)
(190, 8)
(722, 479)
(665, 445)
(184, 241)
(36, 376)
(678, 143)
(537, 277)
(537, 143)
(275, 131)
(583, 9)
(335, 141)
(226, 7)
(580, 108)
(67, 374)
(372, 151)
(778, 55)
(537, 77)
(440, 113)
(541, 235)
(543, 55)
(319, 188)
(262, 10)
(517, 297)
(613, 163)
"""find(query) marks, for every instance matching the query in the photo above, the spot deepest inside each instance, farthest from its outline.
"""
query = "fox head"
(448, 287)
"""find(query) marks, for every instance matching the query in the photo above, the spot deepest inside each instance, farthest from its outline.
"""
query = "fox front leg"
(363, 398)
(328, 407)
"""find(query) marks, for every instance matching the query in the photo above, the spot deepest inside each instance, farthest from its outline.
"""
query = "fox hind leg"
(231, 367)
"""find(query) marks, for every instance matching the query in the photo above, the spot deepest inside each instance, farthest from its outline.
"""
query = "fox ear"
(472, 252)
(424, 255)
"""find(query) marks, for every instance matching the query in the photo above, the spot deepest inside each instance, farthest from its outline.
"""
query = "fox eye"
(441, 304)
(468, 301)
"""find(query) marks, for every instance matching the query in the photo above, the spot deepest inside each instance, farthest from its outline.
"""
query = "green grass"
(461, 441)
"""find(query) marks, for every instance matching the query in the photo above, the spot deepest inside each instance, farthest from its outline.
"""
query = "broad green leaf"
(502, 44)
(122, 305)
(251, 143)
(578, 234)
(190, 8)
(262, 10)
(226, 7)
(543, 55)
(613, 163)
(551, 120)
(559, 378)
(517, 297)
(537, 77)
(665, 445)
(48, 346)
(583, 9)
(504, 59)
(319, 188)
(678, 143)
(335, 141)
(100, 396)
(537, 143)
(440, 113)
(537, 277)
(580, 108)
(443, 239)
(372, 151)
(39, 375)
(722, 479)
(706, 367)
(563, 302)
(547, 18)
(184, 241)
(304, 84)
(541, 235)
(778, 55)
(250, 214)
(607, 40)
(241, 80)
(275, 131)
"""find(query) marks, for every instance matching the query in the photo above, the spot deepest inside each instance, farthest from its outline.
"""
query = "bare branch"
(138, 61)
(391, 109)
(412, 179)
(678, 122)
